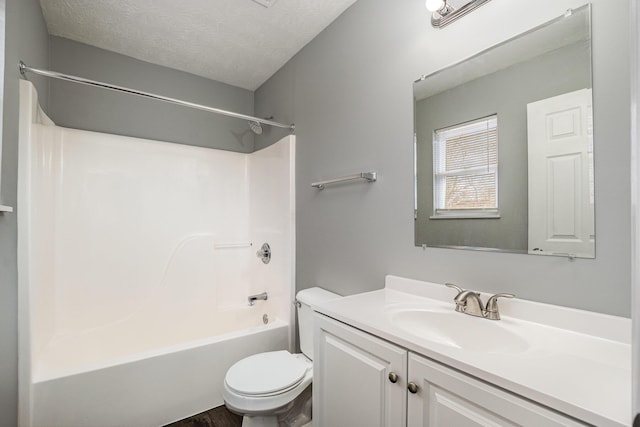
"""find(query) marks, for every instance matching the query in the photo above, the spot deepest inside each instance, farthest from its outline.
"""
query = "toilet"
(274, 388)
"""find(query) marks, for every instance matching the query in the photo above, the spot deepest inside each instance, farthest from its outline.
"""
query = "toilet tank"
(307, 299)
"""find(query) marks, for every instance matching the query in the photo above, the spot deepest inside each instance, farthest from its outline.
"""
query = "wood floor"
(216, 417)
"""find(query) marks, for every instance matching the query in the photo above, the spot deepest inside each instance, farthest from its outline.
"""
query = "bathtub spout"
(253, 298)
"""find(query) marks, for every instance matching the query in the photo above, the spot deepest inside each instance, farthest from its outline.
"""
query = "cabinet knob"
(393, 377)
(413, 387)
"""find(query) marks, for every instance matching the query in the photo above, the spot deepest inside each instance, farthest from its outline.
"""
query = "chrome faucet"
(469, 302)
(253, 298)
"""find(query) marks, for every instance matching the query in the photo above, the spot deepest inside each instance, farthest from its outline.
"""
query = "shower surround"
(136, 258)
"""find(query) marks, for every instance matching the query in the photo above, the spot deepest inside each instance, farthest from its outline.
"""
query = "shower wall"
(134, 223)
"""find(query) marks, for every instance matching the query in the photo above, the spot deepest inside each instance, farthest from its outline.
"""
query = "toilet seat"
(266, 374)
(273, 392)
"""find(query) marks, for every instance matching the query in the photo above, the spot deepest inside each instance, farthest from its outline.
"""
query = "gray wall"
(349, 92)
(84, 107)
(502, 93)
(26, 39)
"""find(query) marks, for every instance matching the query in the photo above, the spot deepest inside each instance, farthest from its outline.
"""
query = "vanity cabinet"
(353, 378)
(362, 380)
(446, 397)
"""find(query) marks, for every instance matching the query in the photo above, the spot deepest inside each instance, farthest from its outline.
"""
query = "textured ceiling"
(238, 42)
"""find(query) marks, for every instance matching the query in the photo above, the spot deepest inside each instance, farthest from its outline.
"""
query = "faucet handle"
(456, 287)
(491, 308)
(459, 305)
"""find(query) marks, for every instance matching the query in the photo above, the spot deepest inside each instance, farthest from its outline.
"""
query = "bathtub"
(152, 387)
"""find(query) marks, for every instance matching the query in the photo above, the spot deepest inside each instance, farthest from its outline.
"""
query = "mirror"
(504, 146)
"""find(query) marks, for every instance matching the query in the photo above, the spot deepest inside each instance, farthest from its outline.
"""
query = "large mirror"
(504, 146)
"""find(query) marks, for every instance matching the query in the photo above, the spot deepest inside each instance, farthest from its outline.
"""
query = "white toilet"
(273, 389)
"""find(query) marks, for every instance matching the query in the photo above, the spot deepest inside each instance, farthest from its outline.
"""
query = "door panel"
(351, 378)
(446, 397)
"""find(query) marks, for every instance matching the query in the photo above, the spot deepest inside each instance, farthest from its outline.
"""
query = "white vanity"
(402, 356)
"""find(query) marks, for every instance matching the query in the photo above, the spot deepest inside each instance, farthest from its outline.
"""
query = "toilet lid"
(266, 373)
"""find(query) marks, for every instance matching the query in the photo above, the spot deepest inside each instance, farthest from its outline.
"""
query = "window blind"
(466, 167)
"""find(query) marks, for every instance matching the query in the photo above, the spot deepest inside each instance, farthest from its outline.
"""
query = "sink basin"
(459, 330)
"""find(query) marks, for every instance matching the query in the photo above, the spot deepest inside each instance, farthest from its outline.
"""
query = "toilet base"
(295, 414)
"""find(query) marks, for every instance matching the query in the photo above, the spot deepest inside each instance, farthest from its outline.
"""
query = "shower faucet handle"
(264, 253)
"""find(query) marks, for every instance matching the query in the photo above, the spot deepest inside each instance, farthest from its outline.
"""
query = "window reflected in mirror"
(465, 164)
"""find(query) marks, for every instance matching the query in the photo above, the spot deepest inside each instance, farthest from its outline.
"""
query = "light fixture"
(444, 12)
(435, 5)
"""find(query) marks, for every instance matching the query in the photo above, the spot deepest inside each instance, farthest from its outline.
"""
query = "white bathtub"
(150, 388)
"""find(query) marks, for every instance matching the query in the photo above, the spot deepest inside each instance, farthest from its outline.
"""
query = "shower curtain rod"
(55, 75)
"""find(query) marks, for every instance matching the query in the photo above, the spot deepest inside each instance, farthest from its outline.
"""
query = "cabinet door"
(449, 398)
(351, 385)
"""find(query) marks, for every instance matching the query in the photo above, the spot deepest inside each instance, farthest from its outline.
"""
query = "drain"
(265, 319)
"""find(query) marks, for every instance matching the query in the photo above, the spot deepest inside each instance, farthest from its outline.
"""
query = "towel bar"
(369, 176)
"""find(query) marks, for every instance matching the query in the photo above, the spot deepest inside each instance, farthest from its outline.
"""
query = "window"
(465, 165)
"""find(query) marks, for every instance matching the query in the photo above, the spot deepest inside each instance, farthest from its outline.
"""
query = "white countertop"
(574, 361)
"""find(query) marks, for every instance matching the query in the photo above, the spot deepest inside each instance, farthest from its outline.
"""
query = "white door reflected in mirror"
(561, 199)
